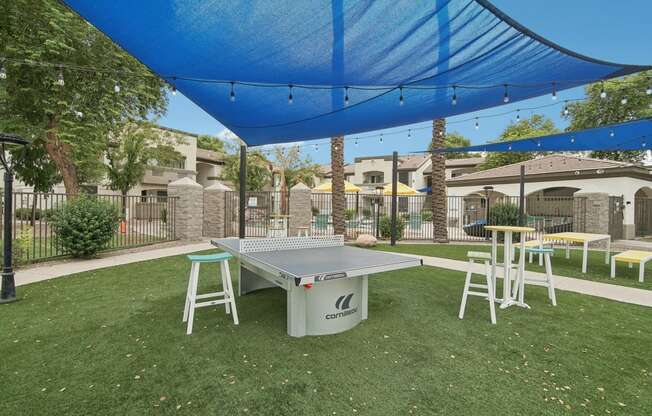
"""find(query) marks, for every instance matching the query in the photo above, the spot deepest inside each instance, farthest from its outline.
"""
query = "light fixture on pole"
(8, 291)
(487, 192)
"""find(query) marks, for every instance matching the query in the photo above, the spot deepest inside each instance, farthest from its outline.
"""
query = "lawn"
(597, 270)
(111, 341)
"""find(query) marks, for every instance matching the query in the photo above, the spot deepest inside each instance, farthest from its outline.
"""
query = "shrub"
(21, 245)
(349, 214)
(504, 214)
(315, 211)
(366, 212)
(426, 216)
(25, 214)
(84, 225)
(164, 215)
(385, 227)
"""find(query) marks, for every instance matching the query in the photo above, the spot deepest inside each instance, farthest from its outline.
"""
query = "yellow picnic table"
(509, 298)
(582, 238)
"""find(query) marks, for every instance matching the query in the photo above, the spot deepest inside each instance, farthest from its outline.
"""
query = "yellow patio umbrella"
(328, 187)
(401, 189)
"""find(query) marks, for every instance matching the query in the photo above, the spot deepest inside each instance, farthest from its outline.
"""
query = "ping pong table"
(326, 282)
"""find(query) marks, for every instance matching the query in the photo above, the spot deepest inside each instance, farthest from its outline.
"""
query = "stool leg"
(466, 289)
(230, 292)
(641, 271)
(185, 308)
(490, 292)
(225, 286)
(613, 267)
(193, 296)
(550, 280)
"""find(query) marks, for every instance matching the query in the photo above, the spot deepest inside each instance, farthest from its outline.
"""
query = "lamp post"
(379, 201)
(8, 292)
(487, 193)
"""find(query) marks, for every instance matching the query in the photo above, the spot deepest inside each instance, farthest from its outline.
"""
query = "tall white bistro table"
(583, 238)
(509, 298)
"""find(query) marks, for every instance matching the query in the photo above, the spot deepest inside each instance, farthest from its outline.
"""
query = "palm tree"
(438, 179)
(337, 195)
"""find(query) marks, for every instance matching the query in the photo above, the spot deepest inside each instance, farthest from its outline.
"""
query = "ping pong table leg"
(364, 301)
(296, 311)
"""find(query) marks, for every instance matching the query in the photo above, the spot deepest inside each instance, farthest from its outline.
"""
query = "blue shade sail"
(424, 51)
(632, 135)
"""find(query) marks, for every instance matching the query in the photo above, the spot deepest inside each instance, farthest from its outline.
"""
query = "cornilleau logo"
(343, 304)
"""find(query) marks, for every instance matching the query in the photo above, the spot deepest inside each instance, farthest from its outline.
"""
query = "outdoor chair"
(630, 257)
(549, 281)
(225, 297)
(489, 287)
(537, 244)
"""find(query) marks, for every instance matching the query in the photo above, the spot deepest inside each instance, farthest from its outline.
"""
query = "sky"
(616, 31)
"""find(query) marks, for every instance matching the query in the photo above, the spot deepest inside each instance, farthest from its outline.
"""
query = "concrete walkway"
(618, 293)
(50, 271)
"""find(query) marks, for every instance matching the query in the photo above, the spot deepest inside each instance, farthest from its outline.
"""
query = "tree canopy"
(73, 106)
(623, 100)
(454, 139)
(258, 170)
(294, 168)
(536, 125)
(207, 142)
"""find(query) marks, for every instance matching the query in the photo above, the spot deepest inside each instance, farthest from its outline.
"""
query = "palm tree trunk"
(439, 198)
(338, 196)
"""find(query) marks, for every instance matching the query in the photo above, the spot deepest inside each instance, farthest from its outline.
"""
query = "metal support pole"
(394, 195)
(521, 198)
(243, 191)
(8, 293)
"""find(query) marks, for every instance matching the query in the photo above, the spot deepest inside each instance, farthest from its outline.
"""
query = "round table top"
(509, 228)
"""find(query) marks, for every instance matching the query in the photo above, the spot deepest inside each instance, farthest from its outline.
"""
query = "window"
(88, 189)
(404, 178)
(403, 204)
(174, 164)
(373, 177)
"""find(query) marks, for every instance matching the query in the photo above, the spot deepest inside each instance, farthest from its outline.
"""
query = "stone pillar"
(300, 208)
(591, 216)
(214, 205)
(189, 208)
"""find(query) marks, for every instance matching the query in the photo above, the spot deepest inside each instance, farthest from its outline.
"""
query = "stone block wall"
(300, 208)
(214, 201)
(189, 209)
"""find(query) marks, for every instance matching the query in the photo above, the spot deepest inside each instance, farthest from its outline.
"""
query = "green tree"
(597, 111)
(537, 125)
(131, 152)
(207, 142)
(258, 170)
(72, 112)
(294, 168)
(451, 140)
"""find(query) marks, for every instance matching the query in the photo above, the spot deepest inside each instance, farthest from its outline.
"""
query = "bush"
(426, 216)
(349, 214)
(315, 211)
(385, 227)
(25, 214)
(504, 214)
(21, 245)
(366, 212)
(84, 225)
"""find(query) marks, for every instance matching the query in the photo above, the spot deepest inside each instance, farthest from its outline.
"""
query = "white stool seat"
(224, 297)
(488, 289)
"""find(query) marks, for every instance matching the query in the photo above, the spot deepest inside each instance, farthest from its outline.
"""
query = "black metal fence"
(146, 220)
(466, 215)
(265, 213)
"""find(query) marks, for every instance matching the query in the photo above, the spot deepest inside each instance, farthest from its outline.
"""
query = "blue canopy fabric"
(425, 51)
(632, 135)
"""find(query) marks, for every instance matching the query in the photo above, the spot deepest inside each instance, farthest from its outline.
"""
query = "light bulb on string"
(509, 147)
(554, 90)
(381, 137)
(611, 133)
(3, 71)
(477, 124)
(506, 95)
(116, 88)
(623, 101)
(518, 114)
(60, 81)
(648, 90)
(290, 96)
(454, 99)
(603, 93)
(400, 99)
(538, 144)
(566, 108)
(572, 139)
(232, 94)
(174, 90)
(356, 142)
(643, 143)
(346, 95)
(409, 133)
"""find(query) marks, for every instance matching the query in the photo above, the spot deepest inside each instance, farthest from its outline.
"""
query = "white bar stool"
(549, 282)
(490, 285)
(225, 297)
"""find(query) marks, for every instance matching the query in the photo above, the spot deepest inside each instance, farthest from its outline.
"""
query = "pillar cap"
(300, 187)
(184, 182)
(218, 187)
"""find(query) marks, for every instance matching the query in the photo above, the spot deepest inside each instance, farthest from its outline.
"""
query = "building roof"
(209, 156)
(412, 162)
(553, 166)
(349, 169)
(467, 162)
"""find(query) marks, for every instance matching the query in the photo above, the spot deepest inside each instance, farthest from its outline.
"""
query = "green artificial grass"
(597, 270)
(111, 342)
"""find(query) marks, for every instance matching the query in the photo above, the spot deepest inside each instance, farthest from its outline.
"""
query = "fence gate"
(261, 206)
(616, 217)
(643, 216)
